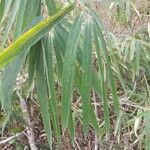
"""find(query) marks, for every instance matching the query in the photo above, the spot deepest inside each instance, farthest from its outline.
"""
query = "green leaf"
(8, 82)
(11, 19)
(20, 19)
(51, 6)
(42, 94)
(71, 126)
(110, 73)
(60, 40)
(6, 8)
(147, 129)
(102, 83)
(69, 69)
(32, 10)
(86, 76)
(137, 59)
(48, 54)
(34, 51)
(30, 37)
(33, 54)
(2, 4)
(33, 59)
(58, 47)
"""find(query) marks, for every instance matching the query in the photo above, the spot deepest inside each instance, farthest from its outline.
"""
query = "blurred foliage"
(80, 54)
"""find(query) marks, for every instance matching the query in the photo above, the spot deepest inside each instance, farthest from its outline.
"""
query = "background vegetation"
(74, 75)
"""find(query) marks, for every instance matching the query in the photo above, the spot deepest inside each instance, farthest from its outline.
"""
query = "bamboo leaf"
(34, 51)
(2, 5)
(12, 16)
(20, 20)
(8, 82)
(110, 73)
(33, 59)
(86, 77)
(102, 84)
(147, 129)
(42, 94)
(71, 126)
(33, 8)
(89, 116)
(51, 6)
(30, 37)
(58, 47)
(69, 69)
(48, 54)
(6, 8)
(60, 39)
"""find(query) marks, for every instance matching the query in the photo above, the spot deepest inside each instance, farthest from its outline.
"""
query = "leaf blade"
(41, 86)
(68, 70)
(30, 37)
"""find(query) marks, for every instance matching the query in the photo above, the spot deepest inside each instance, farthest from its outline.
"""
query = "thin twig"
(11, 138)
(77, 144)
